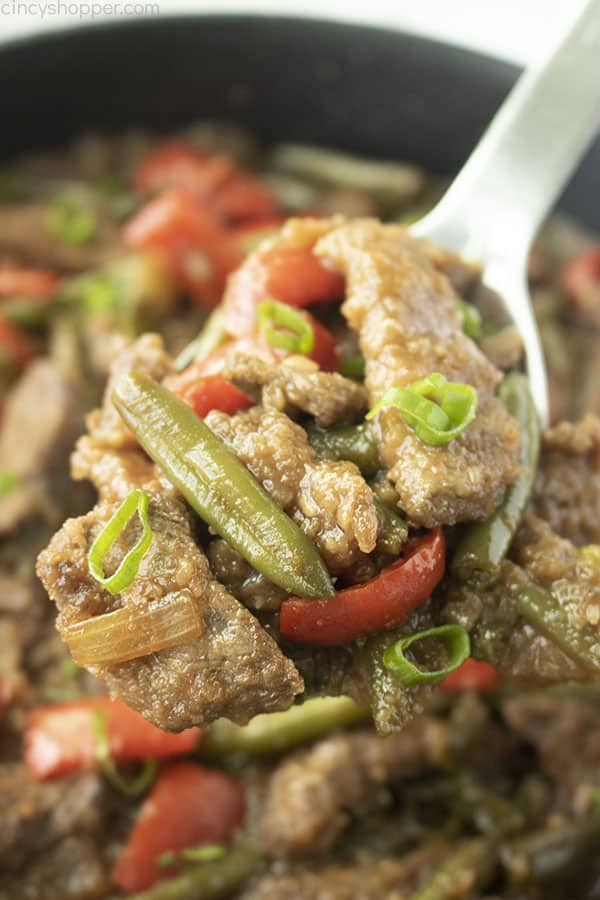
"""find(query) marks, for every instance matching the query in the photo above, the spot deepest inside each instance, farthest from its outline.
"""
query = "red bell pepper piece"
(60, 737)
(580, 280)
(472, 675)
(18, 281)
(188, 806)
(15, 349)
(214, 177)
(383, 602)
(192, 238)
(285, 272)
(206, 392)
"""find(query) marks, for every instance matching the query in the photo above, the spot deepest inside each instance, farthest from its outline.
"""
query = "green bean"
(551, 853)
(210, 339)
(473, 864)
(389, 182)
(355, 443)
(543, 610)
(276, 732)
(208, 881)
(27, 312)
(392, 532)
(219, 487)
(484, 545)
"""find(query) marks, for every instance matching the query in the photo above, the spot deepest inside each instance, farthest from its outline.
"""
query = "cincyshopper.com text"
(64, 8)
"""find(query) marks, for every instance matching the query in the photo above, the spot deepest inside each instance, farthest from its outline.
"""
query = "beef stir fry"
(323, 603)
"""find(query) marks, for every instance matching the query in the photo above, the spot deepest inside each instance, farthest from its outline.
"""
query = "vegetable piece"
(473, 675)
(580, 280)
(8, 481)
(252, 345)
(211, 337)
(353, 367)
(543, 610)
(15, 349)
(133, 631)
(556, 855)
(71, 219)
(59, 738)
(436, 409)
(128, 787)
(484, 545)
(244, 198)
(189, 805)
(209, 881)
(207, 392)
(206, 853)
(137, 501)
(458, 646)
(471, 319)
(192, 238)
(18, 281)
(383, 602)
(249, 237)
(294, 334)
(392, 531)
(275, 732)
(354, 443)
(473, 864)
(219, 487)
(291, 273)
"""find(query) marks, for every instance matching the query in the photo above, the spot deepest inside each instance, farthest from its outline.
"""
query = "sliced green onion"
(212, 336)
(295, 333)
(137, 501)
(436, 409)
(471, 319)
(353, 367)
(130, 788)
(457, 644)
(205, 853)
(71, 220)
(8, 481)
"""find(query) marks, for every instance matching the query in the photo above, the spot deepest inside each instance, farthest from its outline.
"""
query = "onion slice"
(134, 631)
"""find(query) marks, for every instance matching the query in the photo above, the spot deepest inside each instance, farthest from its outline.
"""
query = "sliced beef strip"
(405, 314)
(313, 794)
(567, 486)
(24, 234)
(234, 668)
(329, 500)
(35, 815)
(369, 878)
(249, 586)
(41, 419)
(298, 384)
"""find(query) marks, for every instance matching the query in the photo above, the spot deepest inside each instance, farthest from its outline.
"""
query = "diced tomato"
(206, 392)
(580, 280)
(60, 737)
(324, 351)
(285, 272)
(192, 238)
(472, 675)
(188, 806)
(176, 164)
(244, 198)
(18, 281)
(383, 602)
(15, 349)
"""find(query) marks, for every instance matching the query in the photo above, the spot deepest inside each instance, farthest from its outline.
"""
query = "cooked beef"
(41, 419)
(234, 668)
(24, 234)
(329, 500)
(241, 580)
(36, 815)
(405, 313)
(567, 486)
(74, 869)
(298, 384)
(313, 794)
(565, 731)
(369, 878)
(503, 349)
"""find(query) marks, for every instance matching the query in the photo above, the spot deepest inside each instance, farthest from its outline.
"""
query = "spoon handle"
(534, 143)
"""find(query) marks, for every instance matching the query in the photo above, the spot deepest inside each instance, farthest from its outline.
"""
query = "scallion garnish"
(137, 501)
(205, 853)
(8, 481)
(71, 220)
(436, 409)
(471, 319)
(130, 788)
(285, 327)
(458, 647)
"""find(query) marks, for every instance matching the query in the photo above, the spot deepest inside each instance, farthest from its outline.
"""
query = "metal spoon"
(493, 208)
